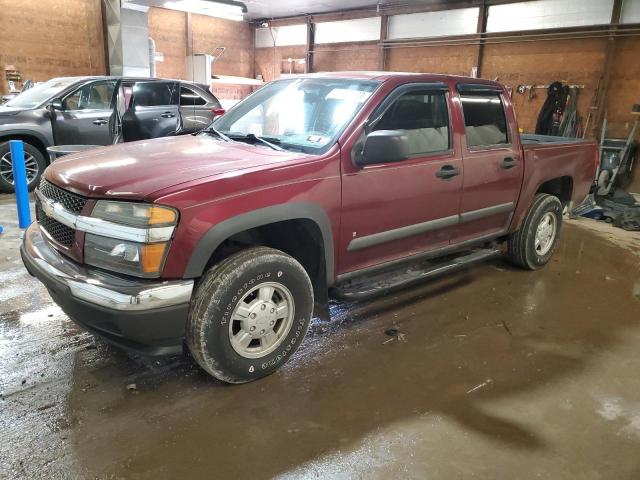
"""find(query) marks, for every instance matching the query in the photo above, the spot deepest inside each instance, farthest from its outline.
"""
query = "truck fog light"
(131, 258)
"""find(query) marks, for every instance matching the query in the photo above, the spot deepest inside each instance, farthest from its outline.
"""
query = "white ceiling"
(285, 8)
(259, 9)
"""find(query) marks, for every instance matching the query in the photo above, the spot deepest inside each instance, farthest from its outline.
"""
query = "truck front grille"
(58, 231)
(72, 202)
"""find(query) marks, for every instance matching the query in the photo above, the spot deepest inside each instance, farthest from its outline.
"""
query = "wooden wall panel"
(529, 63)
(53, 38)
(267, 58)
(168, 29)
(210, 32)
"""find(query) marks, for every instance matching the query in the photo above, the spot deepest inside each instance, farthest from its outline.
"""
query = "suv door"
(87, 115)
(194, 109)
(152, 111)
(492, 162)
(392, 210)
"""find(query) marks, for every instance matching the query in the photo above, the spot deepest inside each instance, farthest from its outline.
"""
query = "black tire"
(6, 185)
(222, 289)
(521, 245)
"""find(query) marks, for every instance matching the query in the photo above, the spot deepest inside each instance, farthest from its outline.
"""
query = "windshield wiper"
(215, 132)
(271, 143)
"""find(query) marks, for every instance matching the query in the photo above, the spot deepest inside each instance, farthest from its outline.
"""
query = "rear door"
(153, 111)
(194, 109)
(492, 160)
(87, 116)
(392, 210)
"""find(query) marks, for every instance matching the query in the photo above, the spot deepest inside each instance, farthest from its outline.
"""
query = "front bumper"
(148, 317)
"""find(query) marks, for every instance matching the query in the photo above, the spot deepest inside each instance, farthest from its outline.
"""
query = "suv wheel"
(533, 244)
(249, 314)
(34, 162)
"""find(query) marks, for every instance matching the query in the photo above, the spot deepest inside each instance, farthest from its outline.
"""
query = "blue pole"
(20, 182)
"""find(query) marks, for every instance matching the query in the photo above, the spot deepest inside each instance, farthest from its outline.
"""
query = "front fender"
(217, 234)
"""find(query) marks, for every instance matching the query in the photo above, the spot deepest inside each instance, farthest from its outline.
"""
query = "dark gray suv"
(98, 111)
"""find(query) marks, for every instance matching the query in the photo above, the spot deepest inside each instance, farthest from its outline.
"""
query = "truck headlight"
(125, 255)
(135, 214)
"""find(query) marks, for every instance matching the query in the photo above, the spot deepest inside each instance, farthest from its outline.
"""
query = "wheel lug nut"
(262, 332)
(271, 323)
(273, 310)
(253, 315)
(252, 329)
(263, 306)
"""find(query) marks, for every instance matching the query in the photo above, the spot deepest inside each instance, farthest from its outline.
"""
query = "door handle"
(168, 115)
(100, 121)
(447, 172)
(508, 163)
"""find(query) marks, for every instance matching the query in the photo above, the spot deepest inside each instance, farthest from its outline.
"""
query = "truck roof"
(384, 76)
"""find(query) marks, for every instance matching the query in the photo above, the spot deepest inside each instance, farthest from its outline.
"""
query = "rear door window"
(189, 98)
(484, 120)
(153, 94)
(423, 116)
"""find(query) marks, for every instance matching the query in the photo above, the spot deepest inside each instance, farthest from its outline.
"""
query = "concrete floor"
(499, 373)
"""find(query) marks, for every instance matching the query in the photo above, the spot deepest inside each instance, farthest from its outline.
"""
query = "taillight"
(218, 111)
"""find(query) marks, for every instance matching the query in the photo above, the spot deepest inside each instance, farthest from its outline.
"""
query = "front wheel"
(533, 244)
(34, 161)
(249, 314)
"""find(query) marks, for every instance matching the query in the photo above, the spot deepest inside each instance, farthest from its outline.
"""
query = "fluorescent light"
(212, 9)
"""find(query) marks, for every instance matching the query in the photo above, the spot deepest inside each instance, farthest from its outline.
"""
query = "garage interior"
(488, 372)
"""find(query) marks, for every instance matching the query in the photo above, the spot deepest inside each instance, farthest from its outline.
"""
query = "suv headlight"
(115, 251)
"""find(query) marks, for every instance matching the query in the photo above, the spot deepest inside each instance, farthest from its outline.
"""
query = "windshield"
(305, 114)
(40, 93)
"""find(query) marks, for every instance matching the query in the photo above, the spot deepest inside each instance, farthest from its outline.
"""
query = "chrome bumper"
(97, 287)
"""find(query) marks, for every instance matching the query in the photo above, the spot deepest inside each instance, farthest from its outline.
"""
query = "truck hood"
(136, 170)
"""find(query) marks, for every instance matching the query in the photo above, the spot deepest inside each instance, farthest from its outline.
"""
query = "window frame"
(90, 85)
(484, 90)
(395, 94)
(194, 92)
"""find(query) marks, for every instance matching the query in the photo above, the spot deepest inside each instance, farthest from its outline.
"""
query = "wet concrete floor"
(496, 373)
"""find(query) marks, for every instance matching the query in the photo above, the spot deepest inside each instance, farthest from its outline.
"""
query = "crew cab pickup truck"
(344, 184)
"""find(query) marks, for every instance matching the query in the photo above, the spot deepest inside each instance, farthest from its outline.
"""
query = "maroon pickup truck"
(344, 184)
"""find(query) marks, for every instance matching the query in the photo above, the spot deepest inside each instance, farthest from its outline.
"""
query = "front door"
(87, 115)
(493, 168)
(152, 112)
(392, 210)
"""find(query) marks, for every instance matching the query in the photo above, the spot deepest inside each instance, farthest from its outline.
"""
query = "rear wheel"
(534, 243)
(35, 164)
(249, 314)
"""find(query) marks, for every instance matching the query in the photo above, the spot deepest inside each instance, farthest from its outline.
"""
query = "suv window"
(484, 120)
(153, 94)
(423, 116)
(94, 96)
(190, 98)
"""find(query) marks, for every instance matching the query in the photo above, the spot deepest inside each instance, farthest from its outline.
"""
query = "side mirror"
(218, 111)
(55, 104)
(384, 146)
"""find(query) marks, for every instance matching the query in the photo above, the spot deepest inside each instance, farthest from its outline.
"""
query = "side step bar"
(366, 287)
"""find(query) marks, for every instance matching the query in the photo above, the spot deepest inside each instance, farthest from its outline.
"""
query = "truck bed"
(533, 139)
